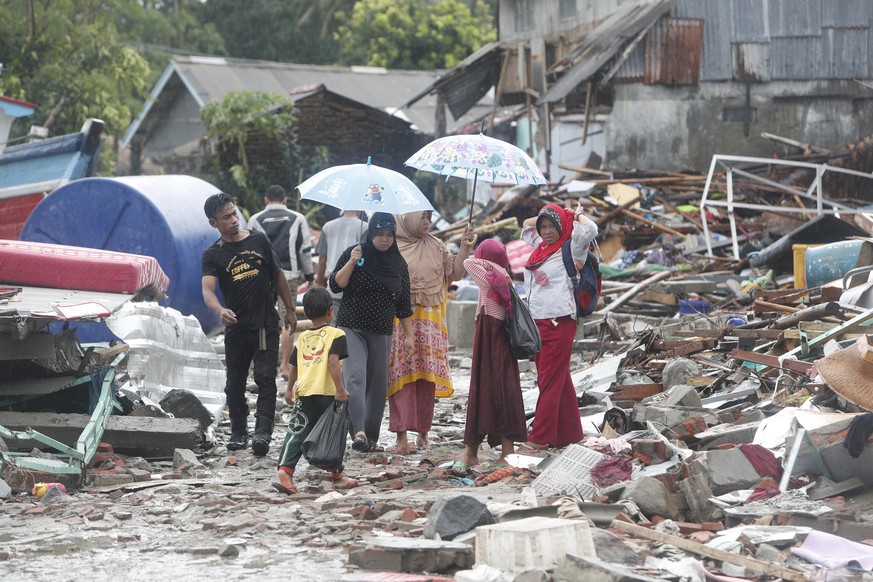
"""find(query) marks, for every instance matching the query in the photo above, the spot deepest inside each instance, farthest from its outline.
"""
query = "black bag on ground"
(326, 444)
(524, 337)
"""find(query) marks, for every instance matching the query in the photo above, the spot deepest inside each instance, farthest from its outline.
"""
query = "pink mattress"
(65, 267)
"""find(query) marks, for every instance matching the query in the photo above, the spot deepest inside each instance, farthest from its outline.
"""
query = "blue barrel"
(156, 216)
(826, 263)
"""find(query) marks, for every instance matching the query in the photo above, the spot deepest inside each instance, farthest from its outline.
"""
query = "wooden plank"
(636, 391)
(662, 298)
(773, 361)
(713, 553)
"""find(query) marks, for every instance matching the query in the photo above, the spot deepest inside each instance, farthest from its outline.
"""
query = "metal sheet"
(843, 13)
(751, 61)
(604, 42)
(793, 58)
(843, 53)
(717, 36)
(794, 17)
(673, 52)
(749, 21)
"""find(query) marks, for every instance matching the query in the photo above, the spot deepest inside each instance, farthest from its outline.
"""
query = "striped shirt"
(477, 269)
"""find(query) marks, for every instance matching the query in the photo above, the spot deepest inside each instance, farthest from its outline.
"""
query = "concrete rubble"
(725, 386)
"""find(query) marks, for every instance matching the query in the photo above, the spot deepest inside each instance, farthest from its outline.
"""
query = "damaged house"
(351, 112)
(665, 84)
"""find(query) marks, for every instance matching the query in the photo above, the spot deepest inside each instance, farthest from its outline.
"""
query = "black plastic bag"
(524, 337)
(326, 444)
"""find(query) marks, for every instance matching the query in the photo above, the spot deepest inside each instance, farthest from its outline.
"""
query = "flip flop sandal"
(376, 448)
(460, 469)
(360, 444)
(282, 489)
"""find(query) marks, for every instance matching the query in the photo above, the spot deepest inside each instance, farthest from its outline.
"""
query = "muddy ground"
(225, 521)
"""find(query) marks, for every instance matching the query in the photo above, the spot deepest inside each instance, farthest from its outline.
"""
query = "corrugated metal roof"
(673, 50)
(793, 18)
(470, 81)
(793, 58)
(604, 42)
(843, 53)
(844, 13)
(717, 62)
(801, 39)
(749, 21)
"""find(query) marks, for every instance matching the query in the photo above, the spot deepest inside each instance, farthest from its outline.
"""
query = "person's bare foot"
(470, 456)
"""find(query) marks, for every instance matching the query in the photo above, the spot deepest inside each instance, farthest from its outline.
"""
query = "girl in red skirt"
(495, 410)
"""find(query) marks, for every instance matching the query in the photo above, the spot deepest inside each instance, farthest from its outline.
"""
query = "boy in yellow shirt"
(317, 372)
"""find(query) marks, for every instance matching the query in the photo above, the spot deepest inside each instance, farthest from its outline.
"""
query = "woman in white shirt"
(556, 421)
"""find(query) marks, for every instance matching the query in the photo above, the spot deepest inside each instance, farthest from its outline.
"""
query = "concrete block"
(683, 395)
(678, 371)
(451, 516)
(613, 549)
(728, 434)
(652, 497)
(5, 489)
(532, 543)
(575, 568)
(651, 451)
(697, 493)
(185, 456)
(461, 323)
(412, 555)
(727, 470)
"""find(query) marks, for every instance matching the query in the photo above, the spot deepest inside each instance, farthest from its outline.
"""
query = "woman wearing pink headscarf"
(553, 307)
(495, 410)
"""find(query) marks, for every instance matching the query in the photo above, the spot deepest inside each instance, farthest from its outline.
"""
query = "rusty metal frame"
(814, 192)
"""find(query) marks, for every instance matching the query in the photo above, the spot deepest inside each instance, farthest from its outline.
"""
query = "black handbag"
(326, 444)
(524, 337)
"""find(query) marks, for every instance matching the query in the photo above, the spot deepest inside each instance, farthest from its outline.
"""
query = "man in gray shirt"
(336, 236)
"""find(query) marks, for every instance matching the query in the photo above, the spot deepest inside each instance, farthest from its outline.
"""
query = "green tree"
(414, 34)
(294, 31)
(255, 142)
(66, 57)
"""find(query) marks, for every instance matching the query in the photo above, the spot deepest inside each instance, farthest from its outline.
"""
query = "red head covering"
(563, 220)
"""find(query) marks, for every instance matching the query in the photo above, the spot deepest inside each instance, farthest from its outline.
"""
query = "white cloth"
(551, 291)
(336, 236)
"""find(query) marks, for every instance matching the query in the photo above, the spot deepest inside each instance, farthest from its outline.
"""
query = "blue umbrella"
(365, 187)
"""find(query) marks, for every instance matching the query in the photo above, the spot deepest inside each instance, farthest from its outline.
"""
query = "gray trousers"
(365, 374)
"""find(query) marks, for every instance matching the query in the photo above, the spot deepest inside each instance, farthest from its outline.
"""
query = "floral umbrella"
(477, 156)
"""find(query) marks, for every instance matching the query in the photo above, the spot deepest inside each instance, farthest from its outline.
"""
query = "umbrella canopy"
(364, 187)
(479, 157)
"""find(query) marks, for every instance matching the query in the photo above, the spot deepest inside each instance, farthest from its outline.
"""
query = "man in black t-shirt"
(246, 269)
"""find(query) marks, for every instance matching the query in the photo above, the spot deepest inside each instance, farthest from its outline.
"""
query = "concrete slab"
(532, 543)
(411, 555)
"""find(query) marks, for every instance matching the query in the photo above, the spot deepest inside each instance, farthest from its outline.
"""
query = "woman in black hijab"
(374, 280)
